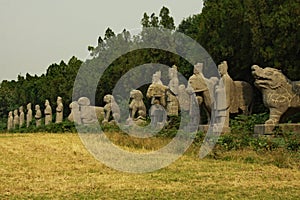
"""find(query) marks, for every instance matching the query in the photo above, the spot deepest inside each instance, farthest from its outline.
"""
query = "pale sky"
(37, 33)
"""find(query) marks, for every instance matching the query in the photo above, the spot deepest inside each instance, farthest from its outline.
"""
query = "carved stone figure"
(88, 114)
(157, 93)
(137, 107)
(38, 115)
(16, 119)
(75, 113)
(279, 93)
(172, 101)
(28, 115)
(48, 112)
(59, 110)
(199, 85)
(22, 116)
(183, 98)
(10, 121)
(238, 94)
(111, 109)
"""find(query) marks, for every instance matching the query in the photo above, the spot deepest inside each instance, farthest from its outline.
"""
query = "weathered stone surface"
(16, 119)
(84, 101)
(172, 93)
(22, 116)
(48, 112)
(28, 115)
(157, 93)
(111, 110)
(59, 110)
(74, 116)
(200, 88)
(137, 107)
(183, 98)
(279, 93)
(10, 121)
(83, 113)
(38, 116)
(238, 95)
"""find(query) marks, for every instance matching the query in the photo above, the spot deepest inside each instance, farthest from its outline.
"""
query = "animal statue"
(137, 105)
(111, 109)
(83, 113)
(279, 93)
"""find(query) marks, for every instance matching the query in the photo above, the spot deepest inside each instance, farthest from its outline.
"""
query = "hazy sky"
(37, 33)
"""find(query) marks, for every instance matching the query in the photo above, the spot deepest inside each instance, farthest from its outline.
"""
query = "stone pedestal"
(262, 129)
(204, 128)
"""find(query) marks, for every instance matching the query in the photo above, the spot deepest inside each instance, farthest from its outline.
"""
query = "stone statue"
(111, 109)
(279, 93)
(59, 110)
(157, 93)
(10, 121)
(48, 112)
(183, 98)
(75, 113)
(22, 116)
(137, 107)
(156, 78)
(172, 101)
(199, 85)
(28, 115)
(16, 119)
(88, 114)
(38, 115)
(238, 94)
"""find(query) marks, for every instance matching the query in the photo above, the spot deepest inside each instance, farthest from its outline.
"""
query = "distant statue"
(75, 113)
(137, 107)
(156, 78)
(10, 121)
(22, 116)
(48, 112)
(88, 114)
(157, 93)
(38, 116)
(201, 87)
(28, 115)
(16, 119)
(172, 101)
(239, 94)
(59, 110)
(111, 109)
(183, 98)
(280, 95)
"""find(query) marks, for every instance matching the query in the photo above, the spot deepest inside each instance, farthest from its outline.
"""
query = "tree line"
(243, 32)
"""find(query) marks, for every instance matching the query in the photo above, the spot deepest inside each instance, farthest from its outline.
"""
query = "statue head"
(15, 112)
(21, 109)
(37, 107)
(10, 114)
(29, 106)
(173, 72)
(74, 105)
(59, 100)
(198, 68)
(223, 68)
(47, 103)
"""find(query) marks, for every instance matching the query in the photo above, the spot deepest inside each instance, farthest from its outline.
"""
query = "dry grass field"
(57, 166)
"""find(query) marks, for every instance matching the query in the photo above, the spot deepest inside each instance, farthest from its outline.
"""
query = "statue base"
(262, 129)
(204, 128)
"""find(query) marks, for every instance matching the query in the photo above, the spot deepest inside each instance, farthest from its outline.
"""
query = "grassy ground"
(57, 166)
